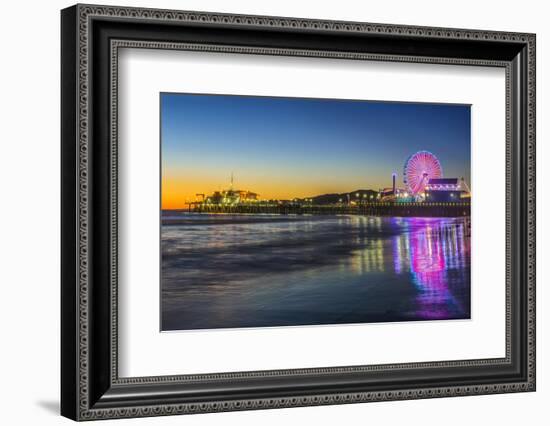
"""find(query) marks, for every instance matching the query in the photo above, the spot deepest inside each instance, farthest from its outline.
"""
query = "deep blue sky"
(302, 147)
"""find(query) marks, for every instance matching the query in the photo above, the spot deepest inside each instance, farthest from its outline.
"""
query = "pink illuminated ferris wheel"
(419, 168)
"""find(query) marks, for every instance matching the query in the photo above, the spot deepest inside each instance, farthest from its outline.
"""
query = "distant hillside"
(359, 194)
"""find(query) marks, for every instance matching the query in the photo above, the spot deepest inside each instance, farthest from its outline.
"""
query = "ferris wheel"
(419, 169)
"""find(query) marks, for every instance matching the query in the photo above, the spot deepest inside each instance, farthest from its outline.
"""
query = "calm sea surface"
(226, 271)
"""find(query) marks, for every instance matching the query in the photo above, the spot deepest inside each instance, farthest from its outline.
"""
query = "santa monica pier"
(425, 191)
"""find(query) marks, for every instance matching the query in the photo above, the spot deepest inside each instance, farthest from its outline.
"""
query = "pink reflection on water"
(434, 246)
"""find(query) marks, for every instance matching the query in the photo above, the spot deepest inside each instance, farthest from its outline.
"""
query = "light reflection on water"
(223, 271)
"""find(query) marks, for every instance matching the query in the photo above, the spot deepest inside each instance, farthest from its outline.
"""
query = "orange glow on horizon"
(178, 190)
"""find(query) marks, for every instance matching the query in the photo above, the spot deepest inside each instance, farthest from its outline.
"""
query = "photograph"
(280, 211)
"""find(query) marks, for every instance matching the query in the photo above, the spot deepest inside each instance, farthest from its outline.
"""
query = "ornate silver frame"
(91, 388)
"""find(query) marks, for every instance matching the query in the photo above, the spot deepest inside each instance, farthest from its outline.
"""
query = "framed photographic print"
(263, 212)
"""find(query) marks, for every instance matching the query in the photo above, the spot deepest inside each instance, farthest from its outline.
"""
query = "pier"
(369, 209)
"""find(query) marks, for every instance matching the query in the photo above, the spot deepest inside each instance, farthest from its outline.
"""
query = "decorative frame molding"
(91, 388)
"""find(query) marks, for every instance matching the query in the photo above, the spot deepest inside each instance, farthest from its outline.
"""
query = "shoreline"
(459, 209)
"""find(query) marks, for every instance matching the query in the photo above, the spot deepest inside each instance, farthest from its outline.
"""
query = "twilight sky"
(291, 147)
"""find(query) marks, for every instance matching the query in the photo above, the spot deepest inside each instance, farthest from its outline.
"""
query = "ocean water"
(232, 271)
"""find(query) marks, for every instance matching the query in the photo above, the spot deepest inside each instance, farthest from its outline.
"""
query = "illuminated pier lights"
(229, 197)
(424, 181)
(444, 190)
